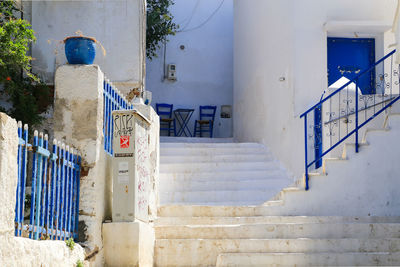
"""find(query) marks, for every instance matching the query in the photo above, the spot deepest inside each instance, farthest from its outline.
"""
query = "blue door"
(348, 57)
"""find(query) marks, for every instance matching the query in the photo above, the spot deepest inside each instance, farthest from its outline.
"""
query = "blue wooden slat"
(58, 190)
(63, 195)
(44, 201)
(53, 188)
(72, 197)
(39, 187)
(18, 193)
(61, 189)
(110, 105)
(69, 189)
(34, 178)
(23, 175)
(104, 105)
(73, 208)
(78, 175)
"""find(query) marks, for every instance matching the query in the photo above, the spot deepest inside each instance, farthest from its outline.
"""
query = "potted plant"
(80, 49)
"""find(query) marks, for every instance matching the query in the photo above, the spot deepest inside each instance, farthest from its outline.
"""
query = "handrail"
(347, 84)
(363, 109)
(346, 107)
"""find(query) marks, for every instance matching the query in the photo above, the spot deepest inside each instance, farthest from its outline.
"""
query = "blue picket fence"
(54, 177)
(113, 100)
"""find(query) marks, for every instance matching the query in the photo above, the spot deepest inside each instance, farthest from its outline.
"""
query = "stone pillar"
(154, 152)
(8, 174)
(78, 120)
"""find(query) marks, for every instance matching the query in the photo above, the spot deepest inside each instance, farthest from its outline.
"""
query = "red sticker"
(124, 141)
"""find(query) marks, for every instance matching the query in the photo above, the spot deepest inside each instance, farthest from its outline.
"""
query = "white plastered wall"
(118, 25)
(204, 67)
(280, 65)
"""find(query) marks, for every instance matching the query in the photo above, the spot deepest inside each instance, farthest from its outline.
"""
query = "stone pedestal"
(128, 244)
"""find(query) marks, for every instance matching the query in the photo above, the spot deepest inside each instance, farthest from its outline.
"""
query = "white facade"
(117, 25)
(204, 67)
(280, 63)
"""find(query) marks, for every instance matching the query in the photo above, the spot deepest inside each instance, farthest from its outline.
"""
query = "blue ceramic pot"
(80, 50)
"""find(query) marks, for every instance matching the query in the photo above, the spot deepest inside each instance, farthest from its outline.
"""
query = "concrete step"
(270, 203)
(217, 166)
(281, 231)
(256, 197)
(212, 211)
(224, 175)
(216, 158)
(169, 185)
(309, 259)
(174, 139)
(209, 151)
(271, 219)
(211, 145)
(349, 149)
(204, 252)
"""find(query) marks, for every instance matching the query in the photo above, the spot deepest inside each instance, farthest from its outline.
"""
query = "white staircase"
(242, 236)
(218, 207)
(218, 173)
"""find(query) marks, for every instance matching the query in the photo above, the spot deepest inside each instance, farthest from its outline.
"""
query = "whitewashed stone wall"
(78, 116)
(19, 251)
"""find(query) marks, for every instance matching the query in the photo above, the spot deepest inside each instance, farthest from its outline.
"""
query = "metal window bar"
(54, 207)
(351, 109)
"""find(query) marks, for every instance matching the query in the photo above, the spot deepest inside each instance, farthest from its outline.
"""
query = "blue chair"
(167, 123)
(206, 122)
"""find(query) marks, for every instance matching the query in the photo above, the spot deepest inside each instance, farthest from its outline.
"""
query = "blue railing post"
(306, 152)
(23, 176)
(77, 196)
(53, 213)
(34, 178)
(19, 187)
(356, 113)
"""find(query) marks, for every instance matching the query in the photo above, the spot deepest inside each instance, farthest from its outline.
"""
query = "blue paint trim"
(357, 126)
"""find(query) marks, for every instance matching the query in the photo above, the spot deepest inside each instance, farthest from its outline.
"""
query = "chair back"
(207, 112)
(164, 110)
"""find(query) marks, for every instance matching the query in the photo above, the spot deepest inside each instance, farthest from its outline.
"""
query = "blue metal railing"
(347, 112)
(54, 198)
(113, 100)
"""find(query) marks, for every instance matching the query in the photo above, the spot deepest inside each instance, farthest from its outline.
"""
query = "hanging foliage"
(159, 25)
(21, 88)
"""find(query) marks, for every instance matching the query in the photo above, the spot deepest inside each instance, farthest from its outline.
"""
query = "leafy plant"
(79, 263)
(70, 243)
(22, 88)
(159, 25)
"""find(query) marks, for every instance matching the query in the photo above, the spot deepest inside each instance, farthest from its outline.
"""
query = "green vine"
(159, 25)
(22, 88)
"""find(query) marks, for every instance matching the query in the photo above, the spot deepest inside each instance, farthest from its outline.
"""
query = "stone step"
(309, 259)
(281, 231)
(215, 158)
(271, 219)
(228, 203)
(169, 185)
(217, 166)
(175, 139)
(211, 211)
(224, 175)
(256, 197)
(211, 145)
(204, 252)
(208, 151)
